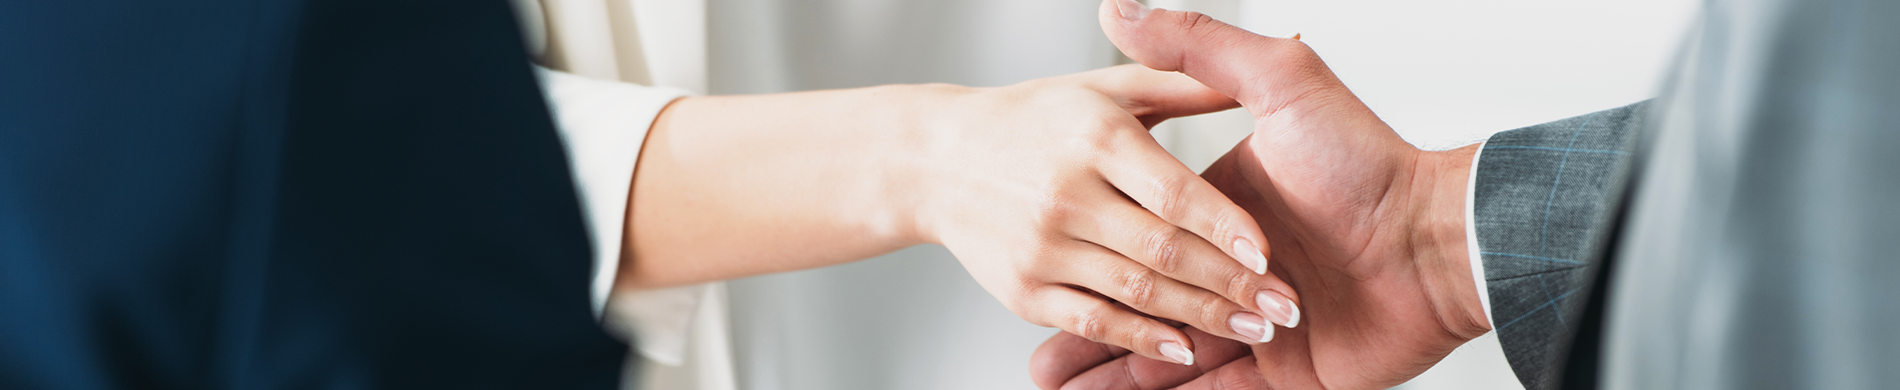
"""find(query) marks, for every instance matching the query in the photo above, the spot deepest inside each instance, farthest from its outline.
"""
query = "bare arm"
(1051, 193)
(734, 186)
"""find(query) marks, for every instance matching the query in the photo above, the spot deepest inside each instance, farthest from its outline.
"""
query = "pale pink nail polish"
(1174, 351)
(1249, 256)
(1131, 10)
(1278, 308)
(1251, 326)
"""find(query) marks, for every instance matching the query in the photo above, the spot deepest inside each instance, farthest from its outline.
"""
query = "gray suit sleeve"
(1543, 201)
(1762, 245)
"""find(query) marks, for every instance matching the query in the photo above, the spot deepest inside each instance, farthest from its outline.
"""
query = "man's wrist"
(1441, 179)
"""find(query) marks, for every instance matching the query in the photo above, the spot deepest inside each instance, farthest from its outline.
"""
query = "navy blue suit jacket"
(266, 194)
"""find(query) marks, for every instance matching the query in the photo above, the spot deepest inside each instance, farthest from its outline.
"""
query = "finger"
(1158, 182)
(1146, 173)
(1066, 355)
(1098, 320)
(1240, 374)
(1153, 96)
(1181, 255)
(1133, 372)
(1143, 289)
(1263, 73)
(1289, 363)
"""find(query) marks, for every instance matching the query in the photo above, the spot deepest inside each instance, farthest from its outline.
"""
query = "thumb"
(1154, 96)
(1264, 74)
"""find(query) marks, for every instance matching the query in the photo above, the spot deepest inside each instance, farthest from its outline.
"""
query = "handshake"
(291, 205)
(1367, 232)
(1324, 251)
(1735, 233)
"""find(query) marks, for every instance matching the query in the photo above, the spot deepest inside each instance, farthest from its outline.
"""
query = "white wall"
(1447, 72)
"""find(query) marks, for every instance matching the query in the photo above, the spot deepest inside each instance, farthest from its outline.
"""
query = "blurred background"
(1444, 73)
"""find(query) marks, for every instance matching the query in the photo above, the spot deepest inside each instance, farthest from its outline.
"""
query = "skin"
(1369, 229)
(1050, 192)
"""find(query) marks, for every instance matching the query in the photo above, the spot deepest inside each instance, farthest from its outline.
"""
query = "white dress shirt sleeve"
(603, 124)
(1471, 237)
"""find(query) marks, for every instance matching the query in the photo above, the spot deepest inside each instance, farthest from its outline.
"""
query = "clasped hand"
(1366, 227)
(1060, 204)
(1120, 231)
(1050, 192)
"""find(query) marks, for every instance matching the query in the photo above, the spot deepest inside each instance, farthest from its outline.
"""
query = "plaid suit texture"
(1543, 203)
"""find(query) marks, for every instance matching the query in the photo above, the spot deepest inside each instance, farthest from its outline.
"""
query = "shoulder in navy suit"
(344, 194)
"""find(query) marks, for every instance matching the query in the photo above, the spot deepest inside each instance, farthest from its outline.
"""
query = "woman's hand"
(1051, 192)
(1055, 197)
(1369, 227)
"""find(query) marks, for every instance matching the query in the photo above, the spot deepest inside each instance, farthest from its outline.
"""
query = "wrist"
(917, 150)
(1441, 179)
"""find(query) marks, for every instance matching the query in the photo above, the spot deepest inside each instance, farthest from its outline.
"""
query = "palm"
(1367, 319)
(1357, 219)
(1373, 314)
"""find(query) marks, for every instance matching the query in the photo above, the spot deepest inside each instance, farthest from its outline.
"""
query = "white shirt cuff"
(603, 124)
(1471, 237)
(659, 321)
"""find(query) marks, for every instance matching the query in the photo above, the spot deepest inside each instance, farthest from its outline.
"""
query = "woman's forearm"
(1050, 192)
(733, 186)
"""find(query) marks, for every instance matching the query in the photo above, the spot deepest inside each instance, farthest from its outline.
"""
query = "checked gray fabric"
(1542, 205)
(1761, 244)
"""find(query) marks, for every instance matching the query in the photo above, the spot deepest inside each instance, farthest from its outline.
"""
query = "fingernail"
(1250, 325)
(1131, 10)
(1296, 36)
(1250, 256)
(1178, 353)
(1278, 308)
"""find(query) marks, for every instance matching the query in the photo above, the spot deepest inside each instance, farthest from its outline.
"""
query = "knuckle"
(1242, 286)
(1309, 67)
(1025, 290)
(1223, 225)
(1304, 56)
(1296, 57)
(1214, 312)
(1042, 306)
(1088, 324)
(1094, 136)
(1299, 75)
(1138, 288)
(1164, 249)
(1051, 209)
(1309, 74)
(1170, 196)
(1193, 21)
(1036, 261)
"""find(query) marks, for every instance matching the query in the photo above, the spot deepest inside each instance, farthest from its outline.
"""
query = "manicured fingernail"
(1131, 10)
(1250, 256)
(1251, 326)
(1178, 353)
(1296, 36)
(1278, 308)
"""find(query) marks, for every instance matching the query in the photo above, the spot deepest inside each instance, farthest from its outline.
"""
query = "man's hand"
(1367, 229)
(1072, 362)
